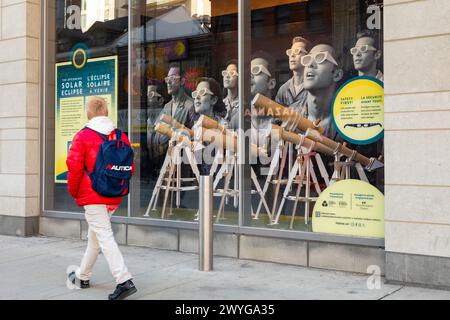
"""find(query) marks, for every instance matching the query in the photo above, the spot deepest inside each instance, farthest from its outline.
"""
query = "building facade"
(54, 54)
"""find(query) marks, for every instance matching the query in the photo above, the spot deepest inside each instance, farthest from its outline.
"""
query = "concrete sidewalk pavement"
(35, 268)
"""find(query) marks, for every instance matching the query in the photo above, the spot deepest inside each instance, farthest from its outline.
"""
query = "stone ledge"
(345, 257)
(430, 271)
(273, 250)
(153, 237)
(61, 228)
(19, 226)
(225, 244)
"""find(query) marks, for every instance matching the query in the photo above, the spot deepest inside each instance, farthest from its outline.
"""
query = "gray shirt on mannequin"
(290, 96)
(232, 116)
(182, 112)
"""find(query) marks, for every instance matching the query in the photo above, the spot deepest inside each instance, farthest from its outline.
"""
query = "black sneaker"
(123, 290)
(82, 284)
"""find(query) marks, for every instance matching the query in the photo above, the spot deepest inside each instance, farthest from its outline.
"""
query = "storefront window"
(86, 56)
(303, 54)
(307, 98)
(184, 57)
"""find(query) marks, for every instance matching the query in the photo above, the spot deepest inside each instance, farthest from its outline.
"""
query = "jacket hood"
(101, 124)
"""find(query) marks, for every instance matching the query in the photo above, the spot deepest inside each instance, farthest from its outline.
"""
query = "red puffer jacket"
(83, 151)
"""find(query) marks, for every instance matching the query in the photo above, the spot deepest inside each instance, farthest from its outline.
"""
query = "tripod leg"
(292, 176)
(193, 164)
(219, 155)
(178, 200)
(261, 194)
(219, 175)
(176, 182)
(314, 178)
(231, 171)
(297, 195)
(166, 194)
(222, 200)
(155, 193)
(322, 169)
(308, 190)
(361, 173)
(273, 165)
(280, 175)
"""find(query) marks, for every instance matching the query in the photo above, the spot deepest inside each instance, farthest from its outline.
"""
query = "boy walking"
(81, 164)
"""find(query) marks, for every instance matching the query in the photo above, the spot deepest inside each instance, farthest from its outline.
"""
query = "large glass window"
(87, 55)
(184, 57)
(303, 93)
(303, 54)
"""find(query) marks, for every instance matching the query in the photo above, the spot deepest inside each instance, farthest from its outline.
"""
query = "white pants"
(101, 237)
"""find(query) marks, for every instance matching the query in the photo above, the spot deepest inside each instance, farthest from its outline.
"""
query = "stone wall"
(19, 116)
(417, 102)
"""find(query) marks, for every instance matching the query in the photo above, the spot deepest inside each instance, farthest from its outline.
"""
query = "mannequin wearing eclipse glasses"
(181, 106)
(208, 101)
(321, 75)
(366, 55)
(292, 93)
(230, 83)
(264, 83)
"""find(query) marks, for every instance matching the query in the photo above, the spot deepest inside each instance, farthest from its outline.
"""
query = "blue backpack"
(113, 167)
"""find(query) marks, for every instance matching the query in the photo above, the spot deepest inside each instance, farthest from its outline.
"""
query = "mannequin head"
(154, 99)
(230, 75)
(366, 53)
(174, 80)
(321, 68)
(298, 49)
(263, 80)
(207, 97)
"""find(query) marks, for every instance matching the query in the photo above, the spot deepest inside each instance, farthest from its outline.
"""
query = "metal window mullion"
(130, 84)
(244, 52)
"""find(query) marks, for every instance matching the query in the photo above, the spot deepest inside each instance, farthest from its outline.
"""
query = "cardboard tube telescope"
(290, 117)
(165, 130)
(174, 123)
(369, 164)
(208, 123)
(296, 139)
(228, 141)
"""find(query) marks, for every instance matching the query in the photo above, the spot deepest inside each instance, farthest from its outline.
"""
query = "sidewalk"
(34, 268)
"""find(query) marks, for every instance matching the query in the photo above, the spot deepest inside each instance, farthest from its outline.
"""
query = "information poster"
(358, 110)
(75, 83)
(350, 207)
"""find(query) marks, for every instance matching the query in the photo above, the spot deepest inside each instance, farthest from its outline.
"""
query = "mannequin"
(231, 101)
(366, 55)
(208, 101)
(321, 75)
(155, 102)
(292, 94)
(180, 107)
(262, 82)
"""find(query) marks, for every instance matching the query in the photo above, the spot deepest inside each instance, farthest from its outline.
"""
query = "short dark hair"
(366, 33)
(232, 62)
(302, 40)
(270, 60)
(175, 65)
(214, 86)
